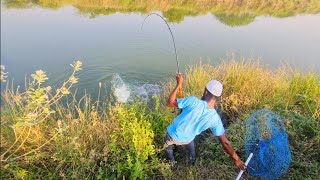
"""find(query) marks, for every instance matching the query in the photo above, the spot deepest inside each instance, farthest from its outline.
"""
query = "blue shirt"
(195, 118)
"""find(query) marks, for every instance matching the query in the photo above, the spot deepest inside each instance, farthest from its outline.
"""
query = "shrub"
(63, 139)
(133, 153)
(44, 136)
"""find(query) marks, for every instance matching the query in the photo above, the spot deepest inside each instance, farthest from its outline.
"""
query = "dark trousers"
(169, 142)
(191, 150)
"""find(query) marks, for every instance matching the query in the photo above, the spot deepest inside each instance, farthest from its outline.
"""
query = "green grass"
(43, 139)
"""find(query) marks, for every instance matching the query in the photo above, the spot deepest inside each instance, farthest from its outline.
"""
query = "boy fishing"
(197, 115)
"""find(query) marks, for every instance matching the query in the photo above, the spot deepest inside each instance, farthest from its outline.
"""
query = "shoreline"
(40, 138)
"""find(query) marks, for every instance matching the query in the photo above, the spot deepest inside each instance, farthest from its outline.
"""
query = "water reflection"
(232, 13)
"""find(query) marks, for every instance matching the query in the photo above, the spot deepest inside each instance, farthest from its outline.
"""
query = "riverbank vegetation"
(231, 12)
(48, 133)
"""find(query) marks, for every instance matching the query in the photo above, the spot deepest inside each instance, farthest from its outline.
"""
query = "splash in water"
(125, 93)
(120, 90)
(146, 91)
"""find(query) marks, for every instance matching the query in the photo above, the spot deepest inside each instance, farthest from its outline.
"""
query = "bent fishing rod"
(174, 44)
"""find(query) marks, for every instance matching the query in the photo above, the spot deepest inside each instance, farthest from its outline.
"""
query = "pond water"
(39, 37)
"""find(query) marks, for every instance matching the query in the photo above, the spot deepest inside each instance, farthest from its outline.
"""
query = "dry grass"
(248, 85)
(86, 139)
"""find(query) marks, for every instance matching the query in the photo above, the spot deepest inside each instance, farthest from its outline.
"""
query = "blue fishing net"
(267, 139)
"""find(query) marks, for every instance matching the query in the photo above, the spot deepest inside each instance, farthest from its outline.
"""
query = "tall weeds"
(248, 85)
(42, 137)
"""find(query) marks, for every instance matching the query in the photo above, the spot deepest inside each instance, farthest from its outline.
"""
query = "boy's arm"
(228, 148)
(172, 100)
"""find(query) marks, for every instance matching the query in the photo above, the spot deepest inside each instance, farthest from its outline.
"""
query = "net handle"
(246, 163)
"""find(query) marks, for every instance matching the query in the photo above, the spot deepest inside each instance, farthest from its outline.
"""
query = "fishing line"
(173, 41)
(174, 44)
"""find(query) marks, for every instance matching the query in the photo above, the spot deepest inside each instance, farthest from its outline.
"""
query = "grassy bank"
(41, 138)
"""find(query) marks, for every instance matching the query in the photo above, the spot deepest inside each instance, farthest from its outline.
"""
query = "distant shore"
(232, 13)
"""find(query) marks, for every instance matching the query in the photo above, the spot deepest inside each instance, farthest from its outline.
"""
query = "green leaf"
(73, 79)
(65, 91)
(77, 65)
(19, 125)
(39, 76)
(22, 173)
